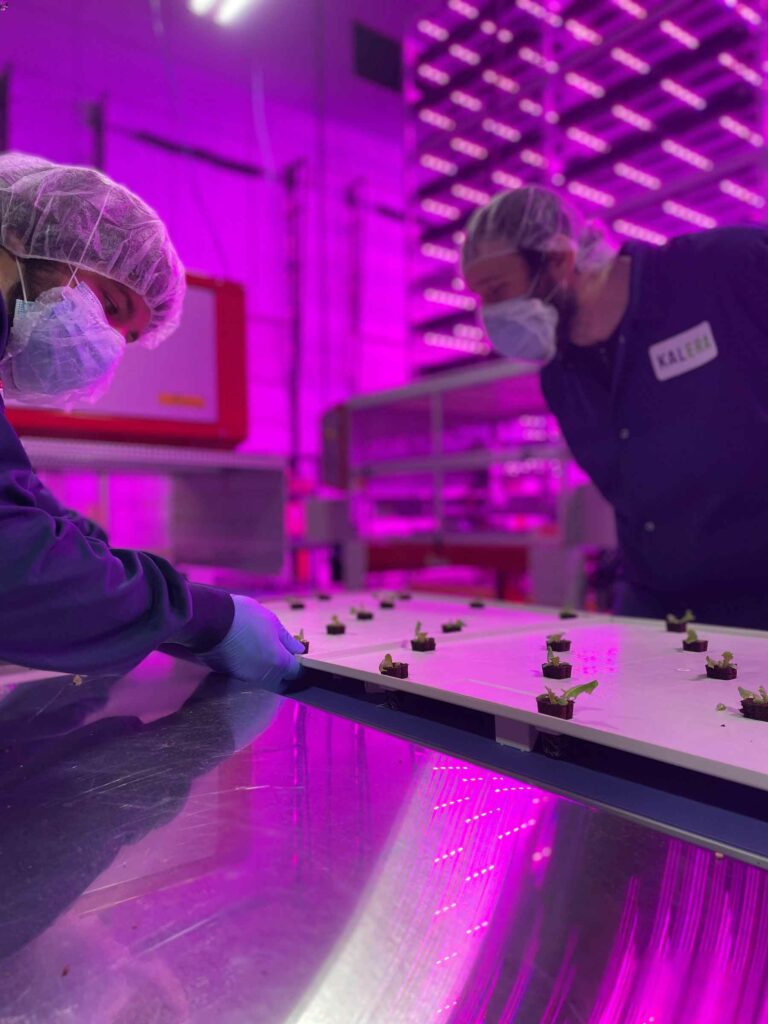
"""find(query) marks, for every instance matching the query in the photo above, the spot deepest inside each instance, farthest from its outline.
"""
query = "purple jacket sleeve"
(69, 602)
(50, 503)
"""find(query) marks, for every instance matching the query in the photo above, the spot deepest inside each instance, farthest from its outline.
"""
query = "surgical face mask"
(61, 349)
(523, 328)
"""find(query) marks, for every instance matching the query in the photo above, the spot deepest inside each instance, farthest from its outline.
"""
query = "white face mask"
(524, 329)
(61, 349)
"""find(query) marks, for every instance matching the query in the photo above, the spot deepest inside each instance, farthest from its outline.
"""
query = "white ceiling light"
(224, 11)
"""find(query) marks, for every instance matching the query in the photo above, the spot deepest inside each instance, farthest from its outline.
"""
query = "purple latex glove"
(257, 648)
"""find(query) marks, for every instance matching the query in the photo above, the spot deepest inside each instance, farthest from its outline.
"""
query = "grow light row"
(652, 120)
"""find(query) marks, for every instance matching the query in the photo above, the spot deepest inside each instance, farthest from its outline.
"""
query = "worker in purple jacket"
(86, 267)
(654, 361)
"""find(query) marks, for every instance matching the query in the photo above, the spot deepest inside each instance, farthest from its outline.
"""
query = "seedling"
(335, 627)
(387, 602)
(555, 642)
(692, 642)
(569, 613)
(477, 603)
(754, 705)
(720, 707)
(295, 604)
(453, 627)
(361, 614)
(561, 705)
(302, 640)
(554, 668)
(723, 669)
(422, 641)
(675, 625)
(398, 669)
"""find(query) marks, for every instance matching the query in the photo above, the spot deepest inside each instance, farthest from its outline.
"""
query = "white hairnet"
(78, 216)
(536, 220)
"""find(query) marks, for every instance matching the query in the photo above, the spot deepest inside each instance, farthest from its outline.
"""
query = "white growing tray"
(654, 699)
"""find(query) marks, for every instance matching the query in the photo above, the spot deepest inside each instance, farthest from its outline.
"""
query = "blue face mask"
(524, 329)
(61, 350)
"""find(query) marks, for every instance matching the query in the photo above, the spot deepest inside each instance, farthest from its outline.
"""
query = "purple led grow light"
(651, 116)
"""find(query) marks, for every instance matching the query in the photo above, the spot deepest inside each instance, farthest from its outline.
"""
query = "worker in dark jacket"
(86, 267)
(654, 361)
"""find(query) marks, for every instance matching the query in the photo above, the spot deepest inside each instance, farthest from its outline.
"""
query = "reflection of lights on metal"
(629, 60)
(744, 195)
(686, 213)
(688, 156)
(692, 99)
(635, 174)
(626, 227)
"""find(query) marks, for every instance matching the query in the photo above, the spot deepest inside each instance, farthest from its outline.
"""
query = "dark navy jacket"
(676, 437)
(70, 602)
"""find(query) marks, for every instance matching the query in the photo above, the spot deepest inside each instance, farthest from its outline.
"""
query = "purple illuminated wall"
(183, 110)
(650, 116)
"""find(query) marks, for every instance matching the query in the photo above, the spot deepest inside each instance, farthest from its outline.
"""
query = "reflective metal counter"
(176, 848)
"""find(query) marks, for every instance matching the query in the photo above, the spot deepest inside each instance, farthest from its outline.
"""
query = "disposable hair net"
(78, 216)
(536, 220)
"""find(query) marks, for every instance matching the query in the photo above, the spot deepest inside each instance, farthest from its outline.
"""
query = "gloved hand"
(257, 648)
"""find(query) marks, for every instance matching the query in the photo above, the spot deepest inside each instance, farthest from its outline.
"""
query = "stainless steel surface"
(174, 850)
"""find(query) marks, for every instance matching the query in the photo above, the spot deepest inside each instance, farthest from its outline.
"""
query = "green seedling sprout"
(300, 636)
(568, 695)
(761, 697)
(688, 617)
(555, 638)
(421, 635)
(356, 611)
(552, 658)
(386, 662)
(725, 662)
(691, 637)
(721, 707)
(456, 622)
(336, 621)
